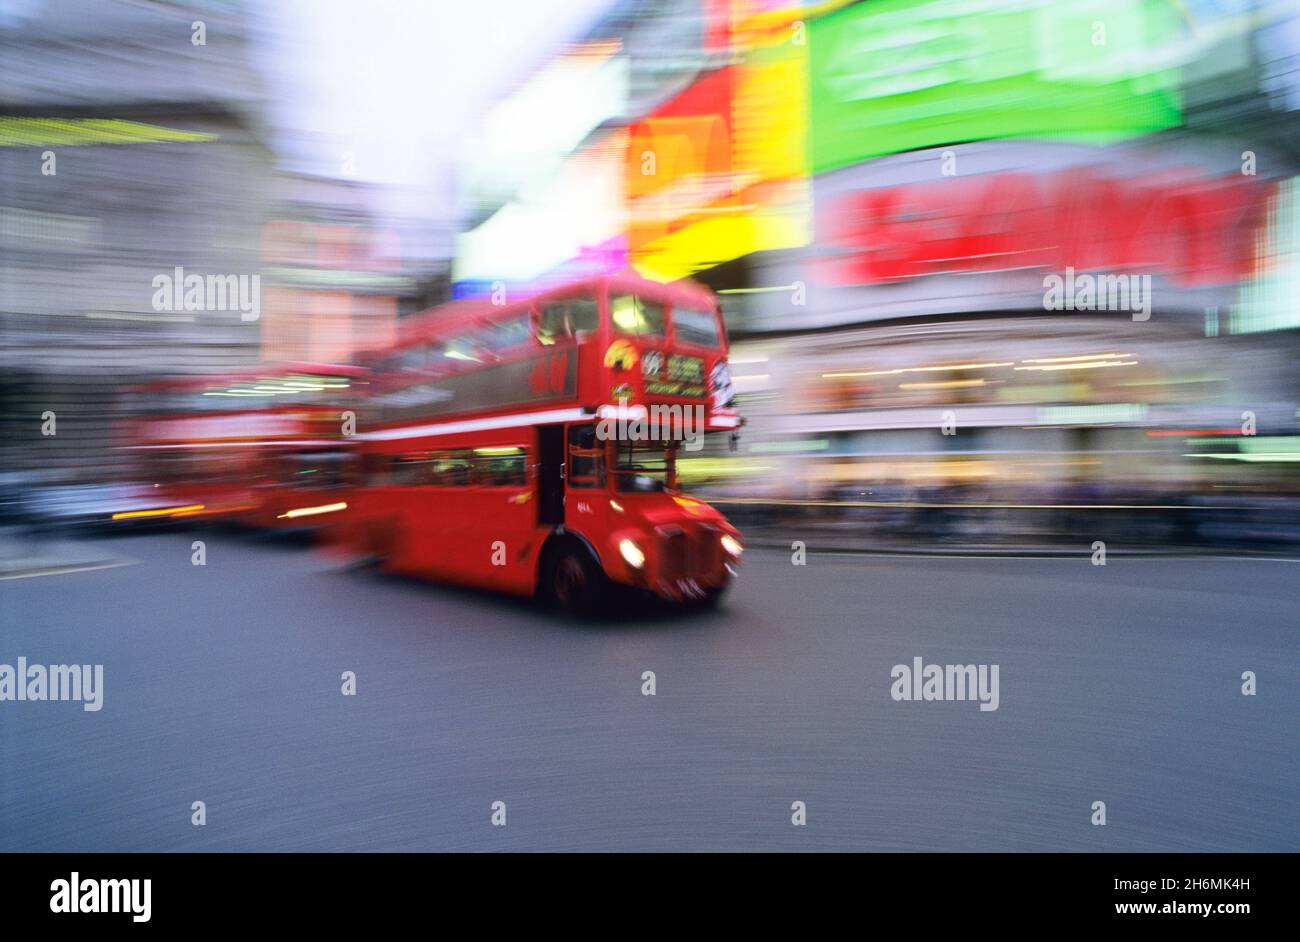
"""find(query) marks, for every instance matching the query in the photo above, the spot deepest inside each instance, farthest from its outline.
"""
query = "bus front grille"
(704, 562)
(690, 560)
(673, 558)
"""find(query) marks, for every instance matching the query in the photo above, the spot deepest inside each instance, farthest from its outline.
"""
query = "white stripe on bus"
(477, 425)
(314, 443)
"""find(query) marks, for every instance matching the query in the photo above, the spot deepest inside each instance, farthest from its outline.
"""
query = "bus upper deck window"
(464, 349)
(501, 335)
(414, 359)
(694, 326)
(567, 320)
(637, 316)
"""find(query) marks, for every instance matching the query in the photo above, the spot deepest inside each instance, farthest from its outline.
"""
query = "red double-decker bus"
(531, 447)
(261, 447)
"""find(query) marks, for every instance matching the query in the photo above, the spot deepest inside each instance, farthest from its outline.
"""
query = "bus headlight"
(631, 553)
(732, 545)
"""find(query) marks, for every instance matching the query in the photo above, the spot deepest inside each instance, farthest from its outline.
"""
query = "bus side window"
(500, 470)
(375, 469)
(317, 469)
(407, 470)
(350, 469)
(451, 468)
(334, 468)
(586, 464)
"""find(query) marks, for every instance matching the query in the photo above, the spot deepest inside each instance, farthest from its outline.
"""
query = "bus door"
(550, 475)
(586, 503)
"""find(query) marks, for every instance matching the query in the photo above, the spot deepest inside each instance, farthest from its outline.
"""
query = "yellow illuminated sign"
(730, 165)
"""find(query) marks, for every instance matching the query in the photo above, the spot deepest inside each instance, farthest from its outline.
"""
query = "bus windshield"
(644, 467)
(637, 317)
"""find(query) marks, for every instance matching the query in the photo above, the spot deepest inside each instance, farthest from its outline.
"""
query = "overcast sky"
(399, 84)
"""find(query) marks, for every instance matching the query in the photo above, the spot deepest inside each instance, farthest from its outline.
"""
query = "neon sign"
(1194, 229)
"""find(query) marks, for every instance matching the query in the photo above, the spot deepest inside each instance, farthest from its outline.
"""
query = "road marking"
(68, 570)
(1082, 554)
(970, 505)
(861, 553)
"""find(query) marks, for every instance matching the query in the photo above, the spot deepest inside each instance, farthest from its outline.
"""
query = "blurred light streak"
(944, 384)
(1081, 366)
(921, 369)
(1084, 356)
(313, 511)
(160, 512)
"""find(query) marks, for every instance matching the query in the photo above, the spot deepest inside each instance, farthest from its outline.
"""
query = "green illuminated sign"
(1096, 414)
(899, 75)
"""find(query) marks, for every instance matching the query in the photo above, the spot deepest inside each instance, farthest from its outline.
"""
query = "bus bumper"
(690, 563)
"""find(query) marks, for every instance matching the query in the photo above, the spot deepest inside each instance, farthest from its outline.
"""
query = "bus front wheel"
(574, 581)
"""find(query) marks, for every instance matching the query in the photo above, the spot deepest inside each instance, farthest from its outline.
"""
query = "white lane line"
(848, 553)
(1083, 554)
(68, 570)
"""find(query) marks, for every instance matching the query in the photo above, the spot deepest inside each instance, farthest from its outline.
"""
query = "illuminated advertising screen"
(721, 170)
(896, 237)
(898, 75)
(680, 189)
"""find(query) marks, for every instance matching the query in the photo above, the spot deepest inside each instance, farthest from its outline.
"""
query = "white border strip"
(476, 425)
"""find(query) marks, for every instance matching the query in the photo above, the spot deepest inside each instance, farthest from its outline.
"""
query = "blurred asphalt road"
(222, 684)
